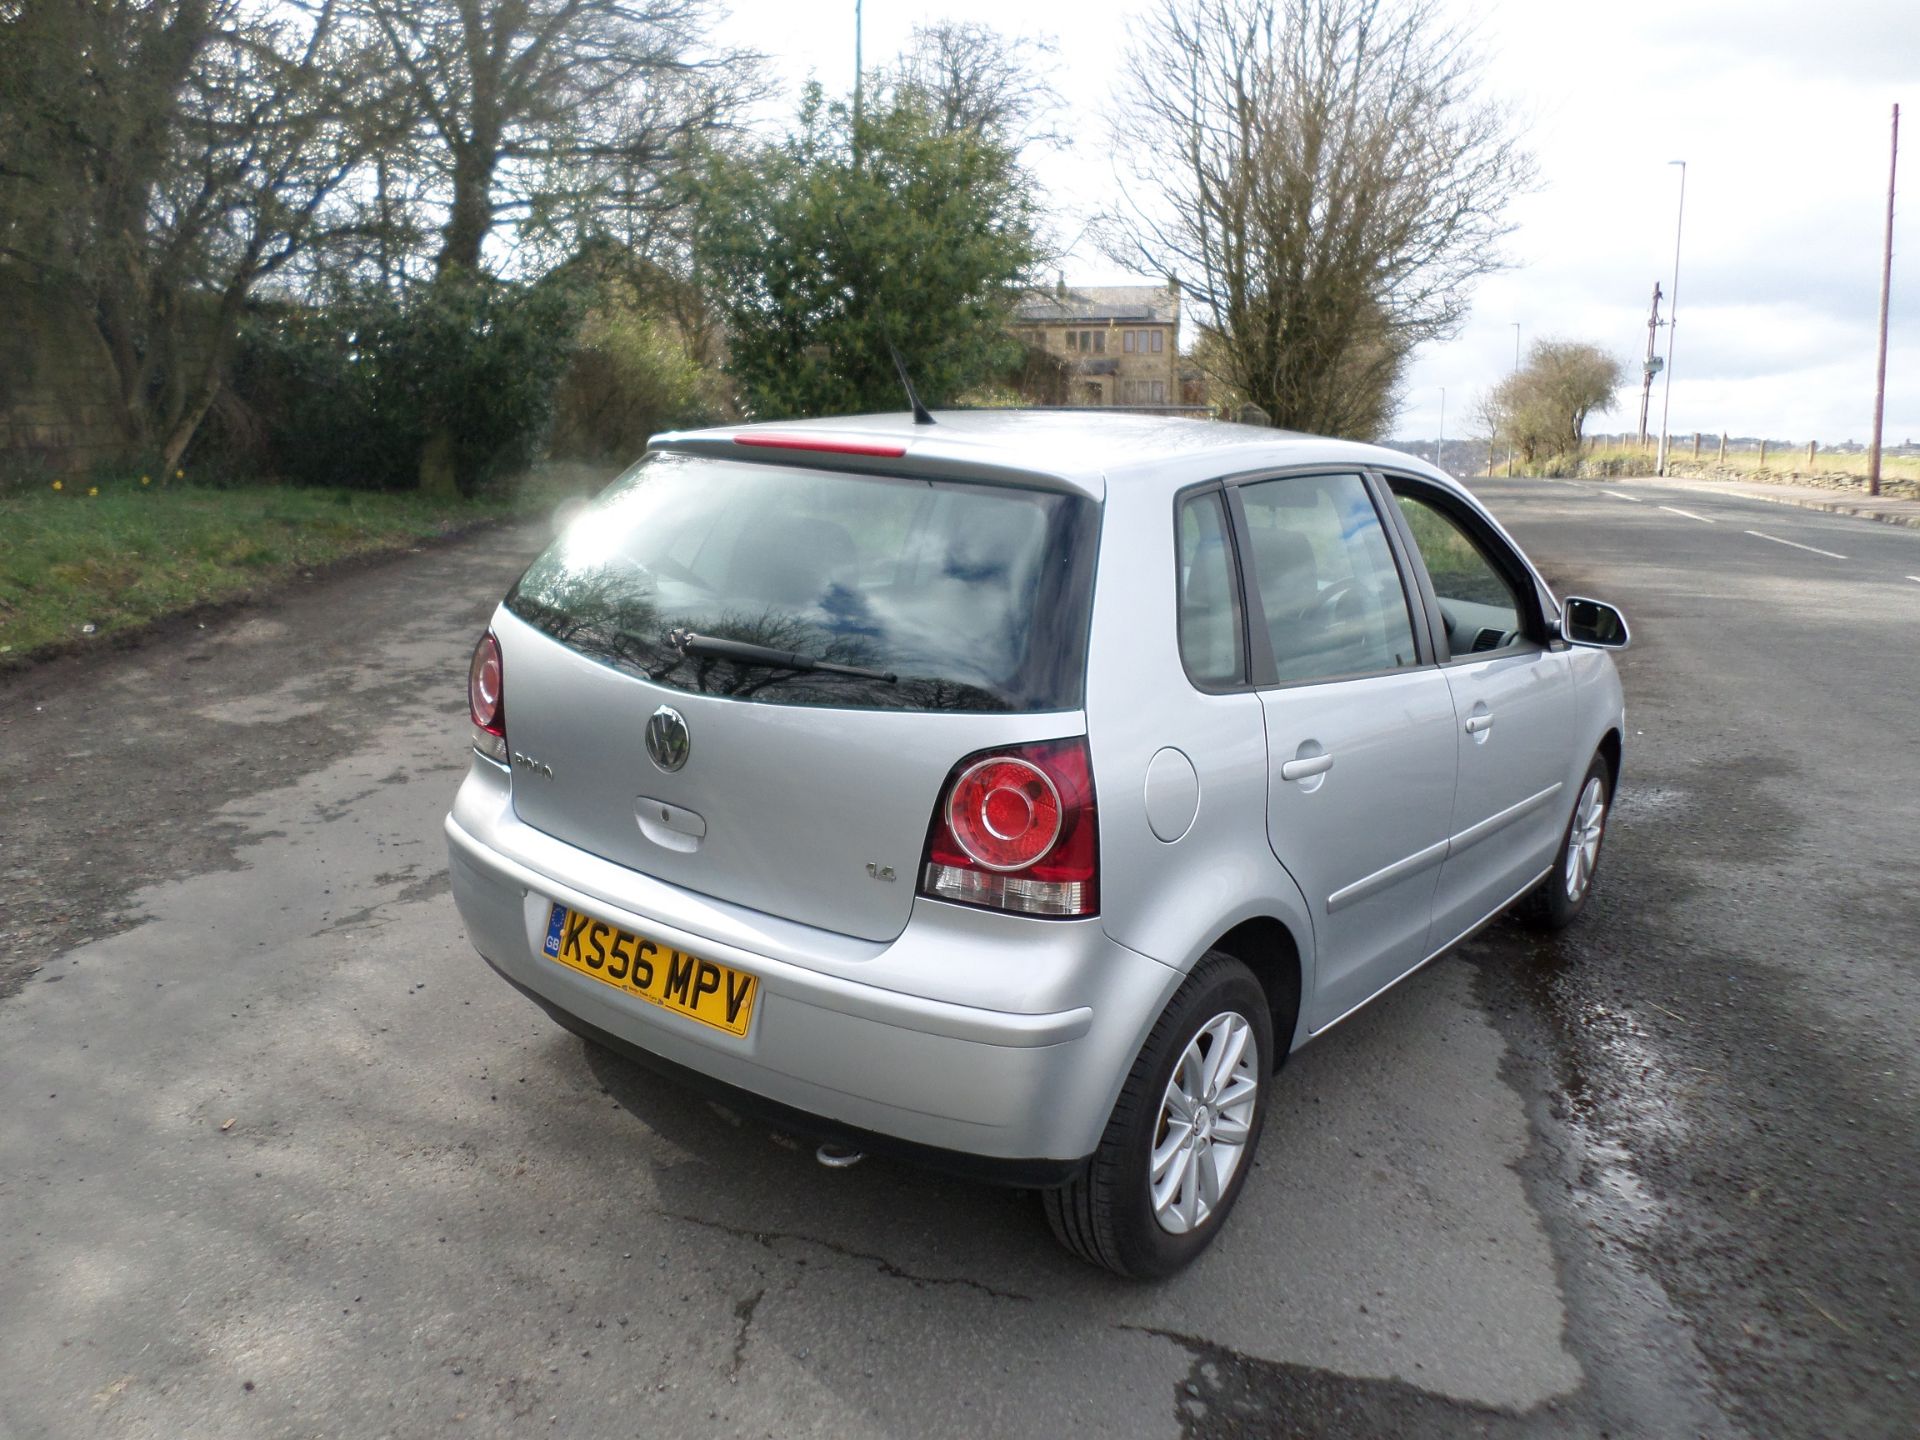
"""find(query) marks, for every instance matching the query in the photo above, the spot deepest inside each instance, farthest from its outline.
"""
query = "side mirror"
(1593, 622)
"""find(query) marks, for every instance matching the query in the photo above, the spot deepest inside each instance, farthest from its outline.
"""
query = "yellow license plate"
(702, 990)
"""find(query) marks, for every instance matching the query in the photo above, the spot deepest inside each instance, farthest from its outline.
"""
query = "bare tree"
(559, 121)
(165, 159)
(534, 111)
(1483, 422)
(1324, 182)
(972, 77)
(1542, 408)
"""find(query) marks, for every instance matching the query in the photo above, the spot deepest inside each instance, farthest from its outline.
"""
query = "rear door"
(806, 794)
(1360, 728)
(1512, 701)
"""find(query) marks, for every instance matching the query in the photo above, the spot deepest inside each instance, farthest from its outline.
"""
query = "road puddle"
(1620, 1093)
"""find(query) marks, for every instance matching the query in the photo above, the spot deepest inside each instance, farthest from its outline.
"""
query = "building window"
(1126, 341)
(1159, 339)
(1099, 342)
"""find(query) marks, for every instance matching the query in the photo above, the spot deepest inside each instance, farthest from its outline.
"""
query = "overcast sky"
(1779, 107)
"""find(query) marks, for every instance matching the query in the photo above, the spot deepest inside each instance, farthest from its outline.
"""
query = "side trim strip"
(1474, 834)
(1380, 879)
(1461, 938)
(1439, 850)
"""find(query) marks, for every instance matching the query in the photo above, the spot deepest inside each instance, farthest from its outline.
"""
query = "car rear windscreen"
(970, 596)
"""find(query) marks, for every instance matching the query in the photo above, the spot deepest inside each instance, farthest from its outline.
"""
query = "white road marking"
(1618, 496)
(1676, 510)
(1831, 555)
(1915, 579)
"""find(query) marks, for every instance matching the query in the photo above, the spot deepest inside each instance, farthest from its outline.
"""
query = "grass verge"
(1781, 461)
(117, 556)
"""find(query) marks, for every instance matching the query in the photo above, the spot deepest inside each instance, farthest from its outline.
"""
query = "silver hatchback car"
(1015, 792)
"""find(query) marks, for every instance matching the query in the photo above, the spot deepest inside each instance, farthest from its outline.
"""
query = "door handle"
(1303, 769)
(1478, 723)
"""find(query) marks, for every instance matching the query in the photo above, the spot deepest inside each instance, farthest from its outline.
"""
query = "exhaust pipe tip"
(839, 1157)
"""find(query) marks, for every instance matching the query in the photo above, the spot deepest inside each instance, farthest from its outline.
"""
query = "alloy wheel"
(1206, 1119)
(1583, 839)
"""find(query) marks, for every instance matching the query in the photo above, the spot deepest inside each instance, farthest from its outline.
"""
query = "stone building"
(1121, 342)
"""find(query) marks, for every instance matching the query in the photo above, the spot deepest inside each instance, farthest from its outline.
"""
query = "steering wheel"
(665, 566)
(1328, 601)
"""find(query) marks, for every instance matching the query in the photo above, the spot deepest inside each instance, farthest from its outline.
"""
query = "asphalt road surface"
(279, 1156)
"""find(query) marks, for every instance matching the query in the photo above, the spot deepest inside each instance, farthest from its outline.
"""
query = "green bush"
(851, 237)
(351, 393)
(629, 379)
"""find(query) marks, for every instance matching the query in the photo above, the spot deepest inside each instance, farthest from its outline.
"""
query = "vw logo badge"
(667, 741)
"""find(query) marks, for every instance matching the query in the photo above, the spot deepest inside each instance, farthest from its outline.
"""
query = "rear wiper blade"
(742, 652)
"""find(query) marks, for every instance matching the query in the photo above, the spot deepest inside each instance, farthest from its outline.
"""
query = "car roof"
(1080, 450)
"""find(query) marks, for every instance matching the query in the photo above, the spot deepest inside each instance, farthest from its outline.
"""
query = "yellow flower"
(144, 480)
(93, 490)
(58, 486)
(179, 474)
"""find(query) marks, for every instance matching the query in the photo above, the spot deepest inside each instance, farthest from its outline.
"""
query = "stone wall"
(1688, 469)
(1818, 480)
(57, 408)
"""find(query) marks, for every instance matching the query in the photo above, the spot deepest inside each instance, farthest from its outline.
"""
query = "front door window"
(1480, 605)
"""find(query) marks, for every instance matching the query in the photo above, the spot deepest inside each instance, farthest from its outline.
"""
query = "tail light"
(486, 700)
(1016, 829)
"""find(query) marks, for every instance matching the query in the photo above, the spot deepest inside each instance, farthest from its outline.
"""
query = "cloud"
(1779, 107)
(1778, 111)
(1861, 39)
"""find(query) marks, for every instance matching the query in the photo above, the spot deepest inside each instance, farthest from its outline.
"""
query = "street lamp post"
(1673, 318)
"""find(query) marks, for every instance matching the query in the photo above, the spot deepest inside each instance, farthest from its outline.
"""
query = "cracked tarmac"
(282, 1157)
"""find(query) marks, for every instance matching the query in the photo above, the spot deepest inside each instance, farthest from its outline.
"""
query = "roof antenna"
(921, 415)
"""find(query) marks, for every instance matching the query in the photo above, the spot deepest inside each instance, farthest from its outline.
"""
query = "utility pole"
(1440, 450)
(1516, 370)
(1652, 367)
(1673, 317)
(1886, 294)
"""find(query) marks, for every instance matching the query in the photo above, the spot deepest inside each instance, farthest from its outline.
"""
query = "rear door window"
(1209, 593)
(1331, 594)
(974, 596)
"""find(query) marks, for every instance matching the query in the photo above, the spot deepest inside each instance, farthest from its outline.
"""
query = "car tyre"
(1108, 1215)
(1558, 900)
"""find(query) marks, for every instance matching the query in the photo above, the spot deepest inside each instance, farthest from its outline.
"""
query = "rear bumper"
(975, 1042)
(1033, 1174)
